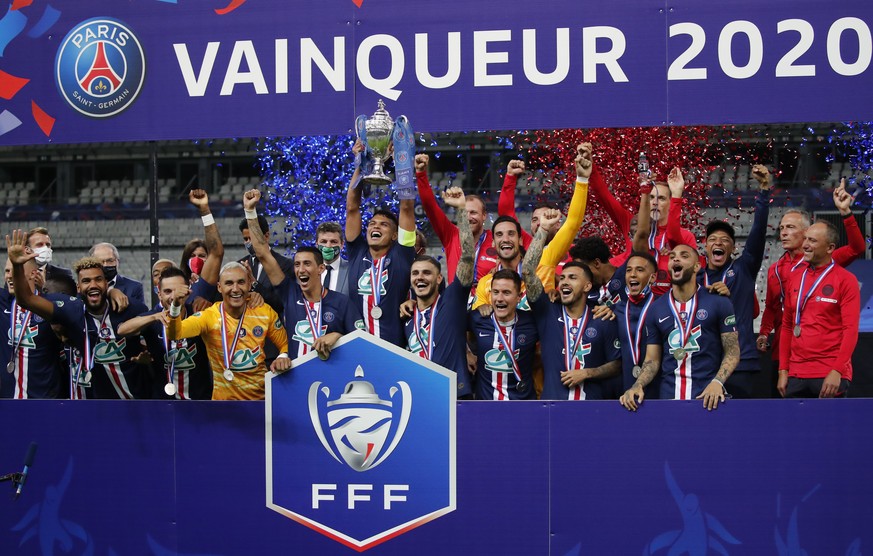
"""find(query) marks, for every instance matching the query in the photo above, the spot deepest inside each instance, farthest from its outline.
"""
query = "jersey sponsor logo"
(523, 304)
(365, 288)
(413, 343)
(674, 341)
(28, 339)
(184, 355)
(303, 332)
(100, 67)
(110, 351)
(730, 320)
(616, 344)
(245, 359)
(663, 319)
(360, 324)
(353, 470)
(498, 361)
(277, 324)
(59, 303)
(826, 299)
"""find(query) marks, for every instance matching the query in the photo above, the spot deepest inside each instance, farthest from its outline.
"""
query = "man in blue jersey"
(181, 367)
(694, 333)
(379, 261)
(608, 280)
(29, 351)
(434, 330)
(735, 278)
(108, 368)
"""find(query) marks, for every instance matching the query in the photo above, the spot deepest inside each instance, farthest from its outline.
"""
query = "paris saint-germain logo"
(100, 67)
(358, 427)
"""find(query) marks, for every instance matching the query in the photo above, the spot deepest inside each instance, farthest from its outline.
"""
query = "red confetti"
(358, 3)
(18, 4)
(10, 85)
(234, 4)
(43, 120)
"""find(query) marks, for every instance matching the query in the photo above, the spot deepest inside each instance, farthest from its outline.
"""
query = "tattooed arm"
(575, 377)
(259, 241)
(532, 282)
(650, 369)
(714, 391)
(454, 197)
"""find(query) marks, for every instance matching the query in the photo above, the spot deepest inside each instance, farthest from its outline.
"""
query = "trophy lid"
(380, 112)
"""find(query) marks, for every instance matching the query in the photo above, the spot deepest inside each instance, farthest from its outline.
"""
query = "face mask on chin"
(329, 253)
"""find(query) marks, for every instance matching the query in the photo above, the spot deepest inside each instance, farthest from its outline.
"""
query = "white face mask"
(43, 255)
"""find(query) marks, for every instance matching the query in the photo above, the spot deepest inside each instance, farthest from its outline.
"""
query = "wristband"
(645, 189)
(283, 356)
(720, 383)
(251, 214)
(207, 219)
(175, 310)
(581, 181)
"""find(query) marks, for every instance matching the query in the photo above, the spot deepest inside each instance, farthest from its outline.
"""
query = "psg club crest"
(363, 429)
(361, 447)
(100, 67)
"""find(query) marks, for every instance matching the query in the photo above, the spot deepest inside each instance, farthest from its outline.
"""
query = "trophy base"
(377, 179)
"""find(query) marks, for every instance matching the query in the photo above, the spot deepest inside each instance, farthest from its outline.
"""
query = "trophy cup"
(379, 129)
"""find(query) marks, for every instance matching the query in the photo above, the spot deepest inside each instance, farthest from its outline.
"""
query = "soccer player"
(181, 366)
(317, 316)
(735, 278)
(109, 367)
(29, 350)
(820, 321)
(379, 261)
(433, 332)
(234, 336)
(506, 237)
(695, 339)
(792, 228)
(579, 352)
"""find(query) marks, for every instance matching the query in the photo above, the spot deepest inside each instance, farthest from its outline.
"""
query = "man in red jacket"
(820, 321)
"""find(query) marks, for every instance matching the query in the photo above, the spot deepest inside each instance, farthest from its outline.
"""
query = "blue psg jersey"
(597, 345)
(114, 376)
(393, 288)
(188, 360)
(710, 316)
(36, 369)
(643, 338)
(612, 292)
(449, 347)
(336, 312)
(495, 376)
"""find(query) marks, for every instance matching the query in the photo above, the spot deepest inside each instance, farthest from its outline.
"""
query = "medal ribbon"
(508, 344)
(171, 364)
(723, 275)
(315, 323)
(634, 336)
(801, 298)
(228, 355)
(88, 354)
(476, 256)
(418, 316)
(654, 234)
(376, 285)
(16, 343)
(571, 341)
(684, 330)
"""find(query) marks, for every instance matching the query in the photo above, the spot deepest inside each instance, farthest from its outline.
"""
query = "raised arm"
(676, 184)
(644, 217)
(756, 242)
(619, 214)
(556, 250)
(214, 247)
(849, 253)
(506, 201)
(259, 242)
(454, 197)
(17, 251)
(441, 224)
(535, 252)
(353, 200)
(138, 324)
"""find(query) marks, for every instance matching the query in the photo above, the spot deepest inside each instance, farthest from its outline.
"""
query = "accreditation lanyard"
(376, 279)
(573, 336)
(779, 278)
(17, 338)
(476, 256)
(225, 352)
(313, 315)
(801, 298)
(723, 275)
(684, 328)
(508, 344)
(420, 327)
(633, 336)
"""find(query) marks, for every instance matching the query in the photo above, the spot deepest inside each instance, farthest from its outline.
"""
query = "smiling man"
(694, 339)
(506, 237)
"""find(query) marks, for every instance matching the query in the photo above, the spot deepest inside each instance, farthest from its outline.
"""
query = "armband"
(406, 238)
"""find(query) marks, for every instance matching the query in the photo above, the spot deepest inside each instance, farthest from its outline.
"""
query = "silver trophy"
(380, 128)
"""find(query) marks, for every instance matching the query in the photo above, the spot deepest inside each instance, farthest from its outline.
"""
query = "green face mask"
(329, 253)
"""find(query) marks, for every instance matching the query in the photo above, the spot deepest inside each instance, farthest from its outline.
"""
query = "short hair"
(720, 226)
(87, 263)
(590, 248)
(387, 214)
(481, 202)
(232, 266)
(419, 236)
(319, 258)
(189, 248)
(262, 224)
(329, 228)
(171, 272)
(507, 274)
(60, 283)
(546, 205)
(104, 244)
(805, 218)
(428, 259)
(647, 256)
(831, 232)
(505, 218)
(34, 231)
(585, 269)
(163, 261)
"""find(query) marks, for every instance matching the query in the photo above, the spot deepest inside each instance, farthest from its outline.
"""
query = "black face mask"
(110, 272)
